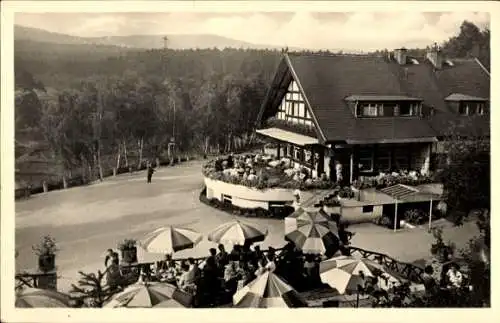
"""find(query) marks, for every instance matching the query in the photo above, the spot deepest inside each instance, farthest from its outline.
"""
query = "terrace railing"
(407, 271)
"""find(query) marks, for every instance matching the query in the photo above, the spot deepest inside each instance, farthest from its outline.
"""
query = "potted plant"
(46, 251)
(441, 251)
(129, 250)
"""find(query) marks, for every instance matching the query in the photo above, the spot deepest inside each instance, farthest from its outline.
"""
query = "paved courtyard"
(86, 221)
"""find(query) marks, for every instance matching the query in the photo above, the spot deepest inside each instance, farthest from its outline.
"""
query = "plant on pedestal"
(440, 250)
(128, 250)
(46, 251)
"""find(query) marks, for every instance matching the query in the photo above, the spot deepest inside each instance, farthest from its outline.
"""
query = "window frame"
(371, 159)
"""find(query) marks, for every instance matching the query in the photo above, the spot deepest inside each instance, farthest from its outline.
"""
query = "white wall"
(355, 214)
(247, 197)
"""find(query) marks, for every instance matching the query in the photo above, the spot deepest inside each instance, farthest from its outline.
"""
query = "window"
(480, 109)
(369, 110)
(368, 209)
(365, 160)
(401, 157)
(293, 108)
(462, 109)
(409, 109)
(471, 108)
(384, 159)
(297, 153)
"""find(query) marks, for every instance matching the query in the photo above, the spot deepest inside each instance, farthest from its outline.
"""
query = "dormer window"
(471, 108)
(370, 106)
(467, 105)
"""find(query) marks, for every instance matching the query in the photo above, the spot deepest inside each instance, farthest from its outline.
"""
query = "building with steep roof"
(370, 113)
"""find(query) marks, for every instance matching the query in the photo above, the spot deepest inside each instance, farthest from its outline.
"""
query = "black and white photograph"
(257, 158)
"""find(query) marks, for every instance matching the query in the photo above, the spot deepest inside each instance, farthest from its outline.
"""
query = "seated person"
(186, 280)
(455, 277)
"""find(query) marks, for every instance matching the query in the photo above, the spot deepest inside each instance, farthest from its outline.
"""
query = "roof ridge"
(329, 54)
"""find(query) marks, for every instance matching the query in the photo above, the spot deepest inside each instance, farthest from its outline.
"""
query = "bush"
(416, 216)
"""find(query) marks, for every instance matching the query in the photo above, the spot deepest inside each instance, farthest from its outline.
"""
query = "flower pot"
(46, 262)
(129, 255)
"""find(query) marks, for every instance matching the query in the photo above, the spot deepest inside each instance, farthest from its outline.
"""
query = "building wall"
(293, 107)
(355, 214)
(246, 197)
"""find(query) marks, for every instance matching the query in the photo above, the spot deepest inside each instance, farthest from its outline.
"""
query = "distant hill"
(185, 41)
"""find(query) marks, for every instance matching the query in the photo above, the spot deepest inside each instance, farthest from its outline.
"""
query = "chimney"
(435, 56)
(400, 55)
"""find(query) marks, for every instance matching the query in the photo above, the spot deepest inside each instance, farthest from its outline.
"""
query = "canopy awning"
(288, 136)
(404, 193)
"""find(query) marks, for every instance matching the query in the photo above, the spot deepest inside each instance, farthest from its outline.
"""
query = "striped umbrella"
(236, 232)
(308, 216)
(35, 297)
(345, 273)
(267, 290)
(312, 231)
(151, 294)
(170, 239)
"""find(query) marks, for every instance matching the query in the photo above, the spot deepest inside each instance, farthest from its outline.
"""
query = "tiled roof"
(327, 80)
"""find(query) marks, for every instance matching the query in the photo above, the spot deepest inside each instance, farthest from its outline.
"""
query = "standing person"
(222, 258)
(111, 257)
(455, 277)
(296, 203)
(151, 170)
(338, 171)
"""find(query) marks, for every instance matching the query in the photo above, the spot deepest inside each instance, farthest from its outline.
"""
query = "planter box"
(46, 263)
(129, 255)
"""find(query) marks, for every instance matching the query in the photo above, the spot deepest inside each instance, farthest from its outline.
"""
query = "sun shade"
(288, 136)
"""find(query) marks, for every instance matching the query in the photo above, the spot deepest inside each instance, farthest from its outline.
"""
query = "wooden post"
(278, 153)
(114, 171)
(430, 216)
(395, 216)
(351, 167)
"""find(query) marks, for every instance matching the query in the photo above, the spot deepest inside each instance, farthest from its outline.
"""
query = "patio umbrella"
(236, 232)
(151, 294)
(306, 217)
(35, 297)
(314, 232)
(345, 273)
(267, 290)
(170, 239)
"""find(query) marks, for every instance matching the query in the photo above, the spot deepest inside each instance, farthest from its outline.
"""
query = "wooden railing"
(405, 270)
(47, 280)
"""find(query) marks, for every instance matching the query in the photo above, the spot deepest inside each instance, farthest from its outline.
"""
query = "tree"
(466, 178)
(92, 287)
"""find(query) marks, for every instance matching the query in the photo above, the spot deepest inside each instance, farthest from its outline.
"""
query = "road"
(85, 221)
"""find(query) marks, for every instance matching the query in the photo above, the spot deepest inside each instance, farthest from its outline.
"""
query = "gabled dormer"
(467, 105)
(380, 106)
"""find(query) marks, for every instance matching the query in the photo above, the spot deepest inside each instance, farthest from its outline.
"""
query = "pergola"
(409, 194)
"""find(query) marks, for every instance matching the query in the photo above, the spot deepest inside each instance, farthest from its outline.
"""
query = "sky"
(313, 30)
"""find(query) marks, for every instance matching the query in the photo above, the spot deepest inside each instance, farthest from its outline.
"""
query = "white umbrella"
(345, 273)
(236, 232)
(168, 240)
